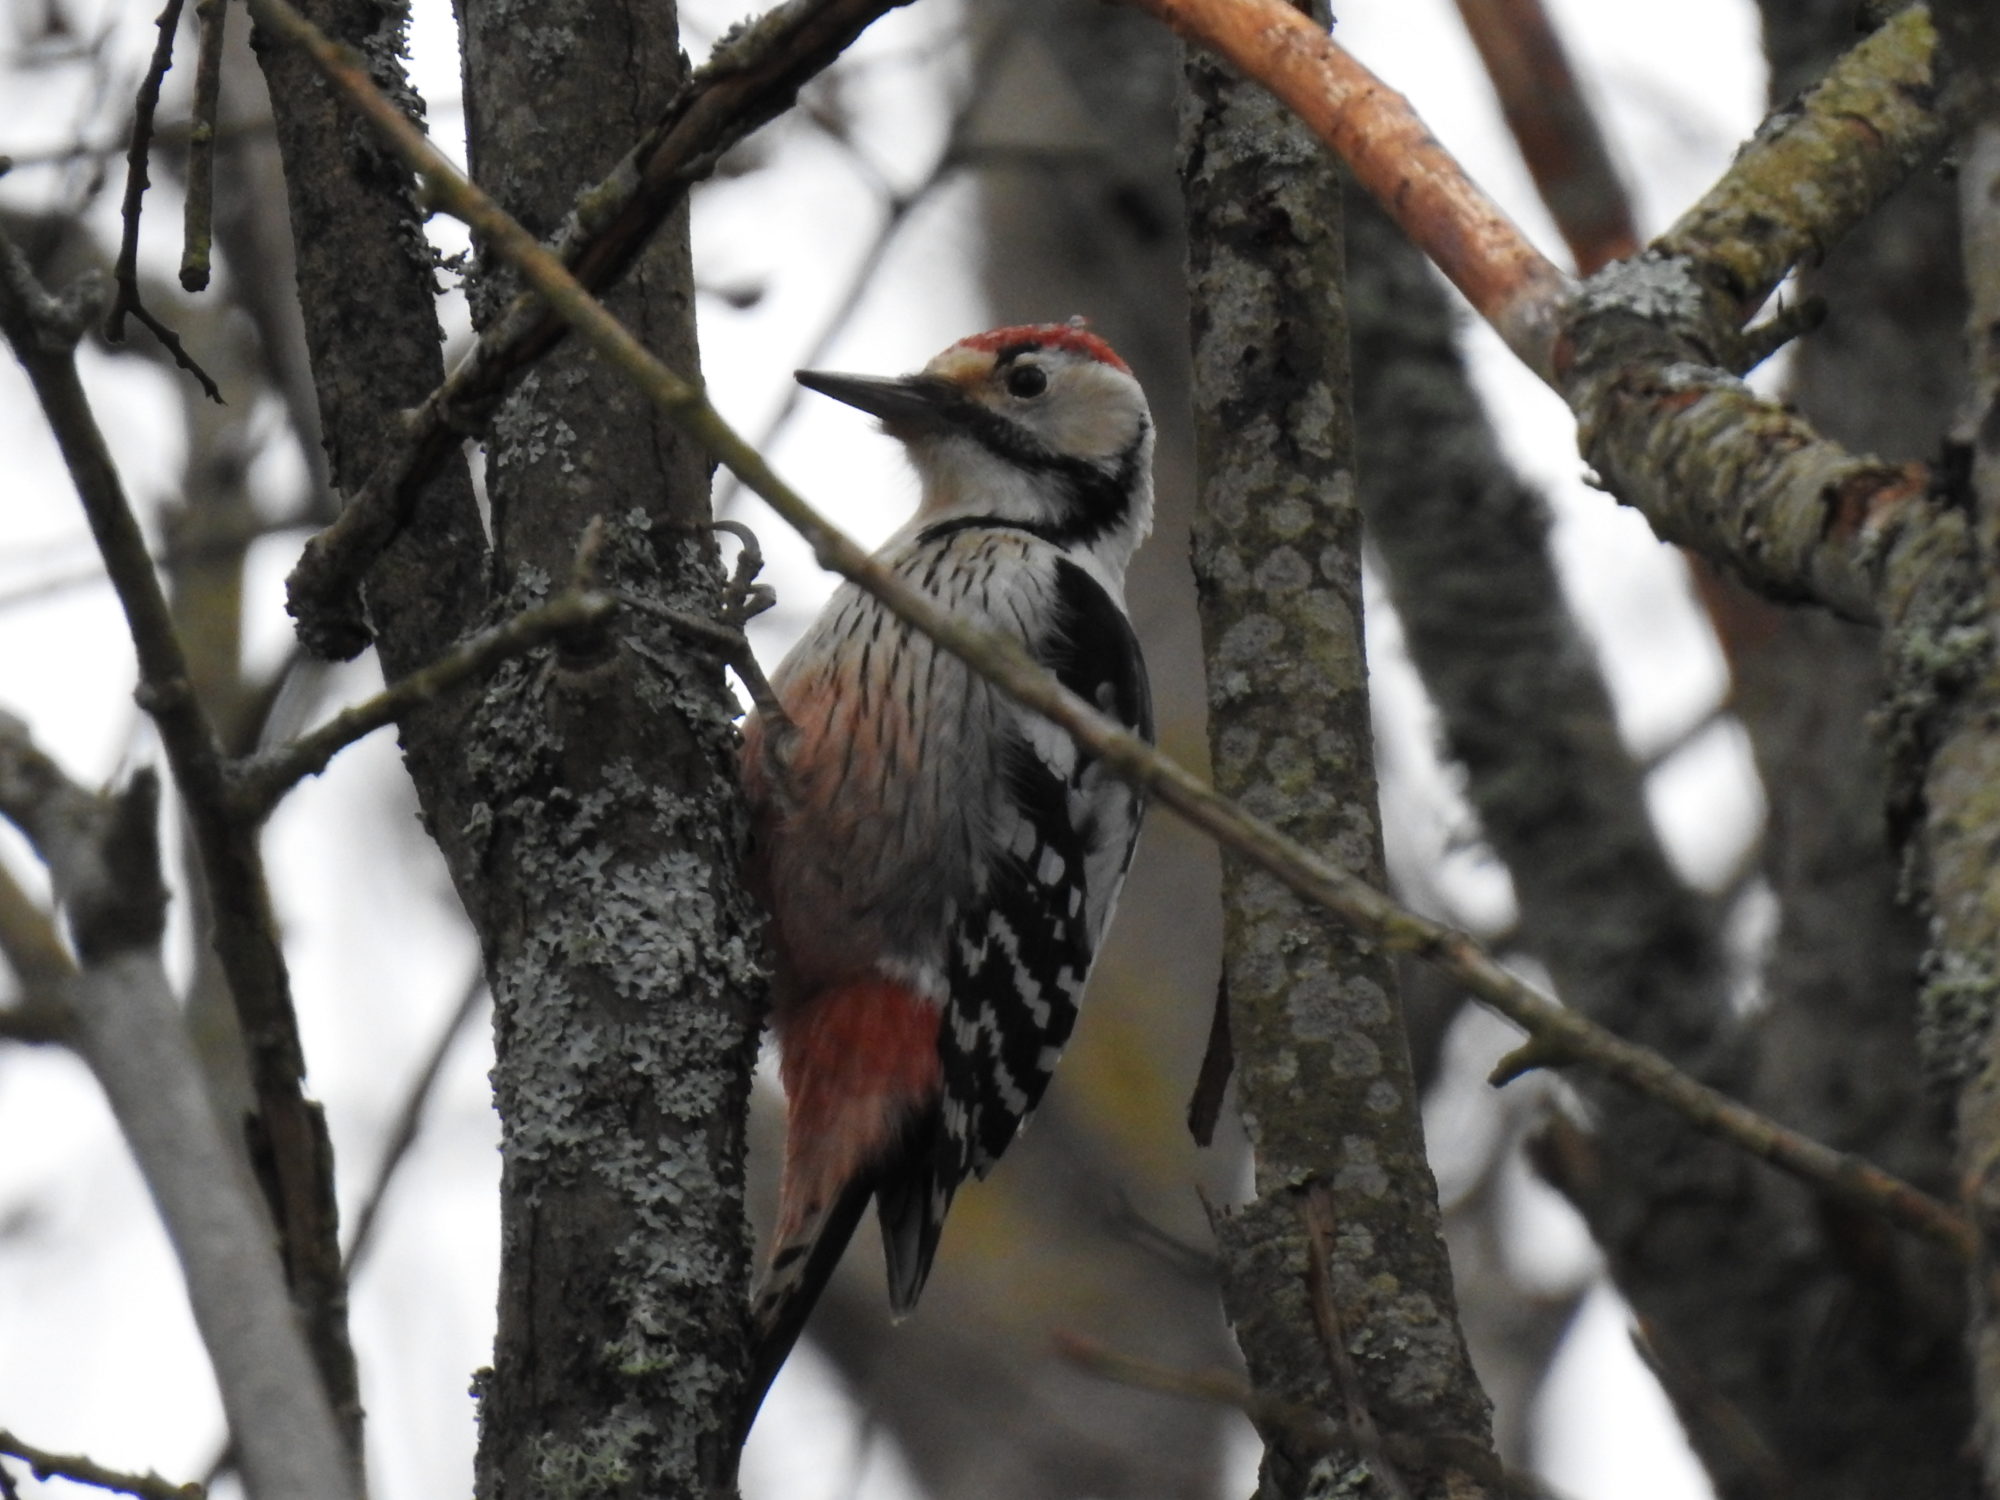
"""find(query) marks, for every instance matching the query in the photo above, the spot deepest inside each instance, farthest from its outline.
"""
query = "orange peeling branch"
(1392, 154)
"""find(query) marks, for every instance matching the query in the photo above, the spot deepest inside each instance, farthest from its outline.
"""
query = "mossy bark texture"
(620, 945)
(584, 797)
(1322, 1065)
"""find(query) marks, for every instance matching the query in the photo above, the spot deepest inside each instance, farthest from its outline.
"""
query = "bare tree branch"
(44, 332)
(80, 1470)
(197, 218)
(1326, 1088)
(257, 783)
(103, 855)
(136, 182)
(1819, 166)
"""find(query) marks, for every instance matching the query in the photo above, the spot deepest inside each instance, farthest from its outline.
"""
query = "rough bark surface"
(619, 944)
(366, 283)
(1322, 1065)
(584, 799)
(1463, 542)
(364, 277)
(1838, 1055)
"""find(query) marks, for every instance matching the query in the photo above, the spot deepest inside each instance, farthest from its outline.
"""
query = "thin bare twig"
(198, 218)
(952, 156)
(403, 1133)
(1561, 1034)
(259, 781)
(137, 180)
(136, 183)
(1316, 1207)
(80, 1470)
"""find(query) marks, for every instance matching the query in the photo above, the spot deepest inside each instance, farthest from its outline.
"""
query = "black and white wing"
(1020, 954)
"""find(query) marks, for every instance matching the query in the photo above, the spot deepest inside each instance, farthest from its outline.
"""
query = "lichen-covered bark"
(619, 944)
(366, 289)
(1836, 1041)
(1322, 1066)
(1801, 181)
(1800, 517)
(1463, 541)
(364, 280)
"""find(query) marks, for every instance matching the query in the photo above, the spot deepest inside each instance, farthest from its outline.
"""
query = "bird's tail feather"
(791, 1285)
(860, 1066)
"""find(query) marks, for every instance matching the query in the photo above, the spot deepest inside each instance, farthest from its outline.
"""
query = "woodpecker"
(940, 864)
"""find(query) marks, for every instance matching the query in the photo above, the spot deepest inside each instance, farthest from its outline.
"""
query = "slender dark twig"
(256, 783)
(1558, 1034)
(952, 156)
(136, 183)
(403, 1133)
(197, 221)
(81, 1470)
(137, 180)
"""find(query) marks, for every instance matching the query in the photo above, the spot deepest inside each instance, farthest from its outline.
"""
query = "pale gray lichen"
(602, 1460)
(1659, 288)
(1957, 1002)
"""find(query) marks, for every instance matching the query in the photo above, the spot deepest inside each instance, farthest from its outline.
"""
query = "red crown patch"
(1074, 336)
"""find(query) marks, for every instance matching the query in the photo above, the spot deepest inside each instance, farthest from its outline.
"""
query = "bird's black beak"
(912, 405)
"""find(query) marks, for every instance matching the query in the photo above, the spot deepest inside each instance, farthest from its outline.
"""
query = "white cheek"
(960, 476)
(1094, 433)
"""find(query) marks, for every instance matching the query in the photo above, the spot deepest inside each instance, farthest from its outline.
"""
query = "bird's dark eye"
(1027, 380)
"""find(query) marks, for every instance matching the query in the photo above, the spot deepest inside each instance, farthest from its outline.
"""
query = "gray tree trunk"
(584, 798)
